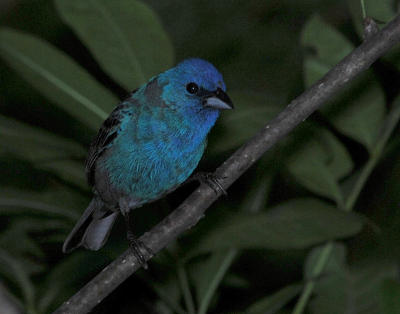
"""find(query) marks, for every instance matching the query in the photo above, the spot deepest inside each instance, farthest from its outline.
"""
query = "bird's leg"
(210, 179)
(135, 244)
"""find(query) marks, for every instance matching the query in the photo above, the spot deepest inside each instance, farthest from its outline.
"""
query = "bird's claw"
(211, 180)
(136, 246)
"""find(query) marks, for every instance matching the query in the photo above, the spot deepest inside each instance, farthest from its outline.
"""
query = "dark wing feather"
(107, 133)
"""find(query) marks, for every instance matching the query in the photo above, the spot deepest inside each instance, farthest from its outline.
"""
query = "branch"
(193, 208)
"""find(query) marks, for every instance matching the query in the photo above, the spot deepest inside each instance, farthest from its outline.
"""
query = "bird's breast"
(148, 165)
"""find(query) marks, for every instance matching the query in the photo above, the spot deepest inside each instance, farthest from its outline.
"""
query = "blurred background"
(328, 195)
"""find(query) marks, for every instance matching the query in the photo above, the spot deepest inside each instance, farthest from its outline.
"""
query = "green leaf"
(357, 111)
(319, 163)
(344, 289)
(390, 297)
(14, 270)
(353, 185)
(252, 111)
(236, 281)
(16, 131)
(64, 279)
(45, 150)
(257, 194)
(185, 289)
(296, 224)
(208, 275)
(276, 301)
(168, 291)
(328, 48)
(125, 36)
(17, 241)
(351, 292)
(51, 203)
(389, 125)
(314, 175)
(393, 56)
(334, 264)
(360, 111)
(57, 77)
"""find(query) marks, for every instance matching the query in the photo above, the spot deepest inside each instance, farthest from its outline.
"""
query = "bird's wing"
(103, 140)
(107, 133)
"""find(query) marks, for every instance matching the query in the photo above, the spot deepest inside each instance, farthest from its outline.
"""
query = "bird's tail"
(92, 229)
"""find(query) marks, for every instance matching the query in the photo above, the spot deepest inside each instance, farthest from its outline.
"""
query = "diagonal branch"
(193, 208)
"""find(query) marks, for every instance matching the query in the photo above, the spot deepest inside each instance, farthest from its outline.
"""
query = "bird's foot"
(212, 180)
(136, 246)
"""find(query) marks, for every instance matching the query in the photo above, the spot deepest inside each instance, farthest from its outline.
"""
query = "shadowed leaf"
(390, 295)
(257, 194)
(327, 47)
(52, 203)
(344, 289)
(17, 272)
(334, 264)
(319, 163)
(169, 293)
(297, 223)
(276, 301)
(45, 150)
(56, 286)
(208, 275)
(125, 36)
(57, 77)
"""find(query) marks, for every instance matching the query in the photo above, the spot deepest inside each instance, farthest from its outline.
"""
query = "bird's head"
(195, 85)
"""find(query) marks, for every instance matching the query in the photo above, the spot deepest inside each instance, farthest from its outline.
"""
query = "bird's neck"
(199, 122)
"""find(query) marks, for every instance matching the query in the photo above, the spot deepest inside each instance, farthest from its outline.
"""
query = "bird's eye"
(192, 88)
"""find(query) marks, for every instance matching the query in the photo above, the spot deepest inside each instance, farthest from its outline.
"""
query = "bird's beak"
(218, 100)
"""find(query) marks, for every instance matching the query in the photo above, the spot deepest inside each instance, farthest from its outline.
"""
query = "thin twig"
(193, 208)
(363, 10)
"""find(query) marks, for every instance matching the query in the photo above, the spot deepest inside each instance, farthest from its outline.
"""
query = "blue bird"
(148, 146)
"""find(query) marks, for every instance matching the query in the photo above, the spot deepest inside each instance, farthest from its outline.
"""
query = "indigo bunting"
(148, 146)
